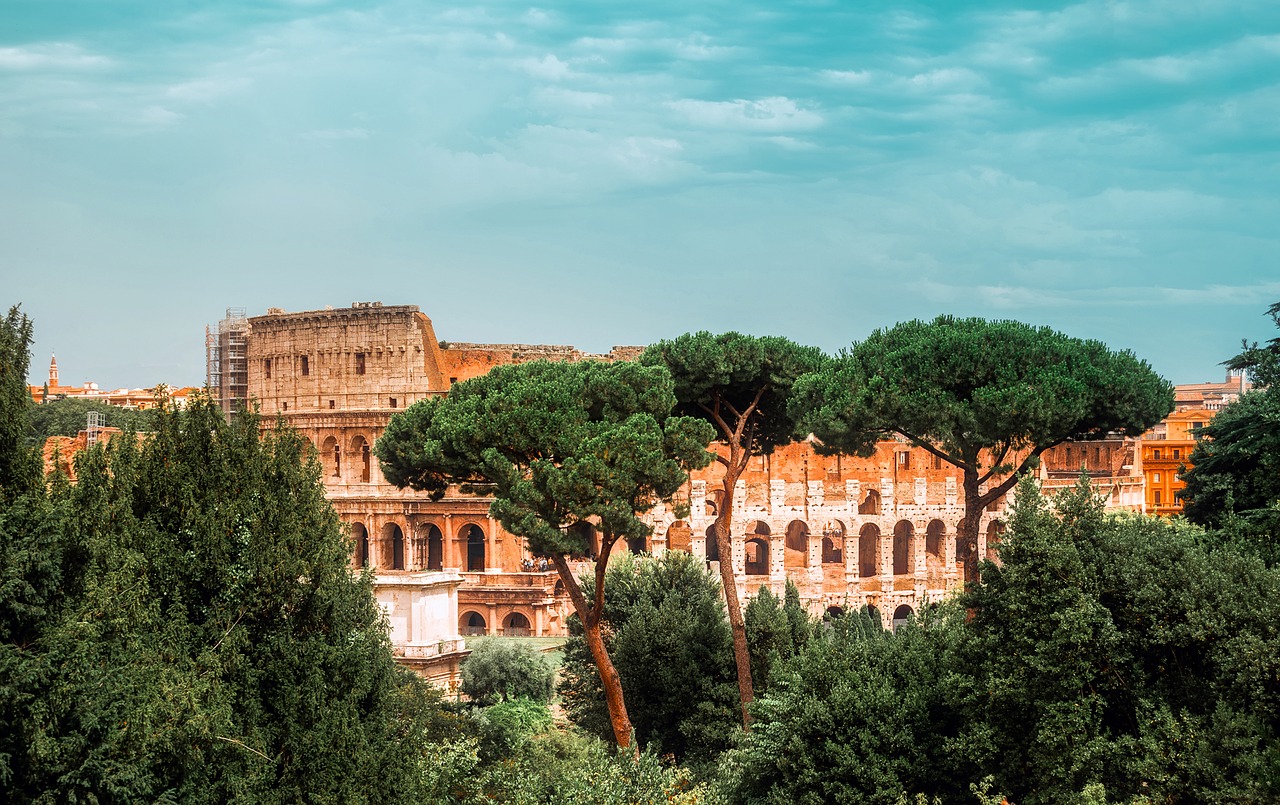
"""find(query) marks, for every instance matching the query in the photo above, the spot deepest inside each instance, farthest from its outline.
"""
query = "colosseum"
(850, 532)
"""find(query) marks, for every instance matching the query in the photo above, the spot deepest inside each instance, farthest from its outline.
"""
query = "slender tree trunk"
(733, 608)
(967, 531)
(590, 616)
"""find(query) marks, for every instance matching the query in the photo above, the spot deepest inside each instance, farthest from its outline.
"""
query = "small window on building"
(904, 461)
(453, 380)
(937, 462)
(1177, 453)
(1155, 476)
(359, 363)
(1097, 454)
(331, 405)
(306, 366)
(266, 366)
(393, 402)
(1157, 497)
(286, 405)
(1155, 454)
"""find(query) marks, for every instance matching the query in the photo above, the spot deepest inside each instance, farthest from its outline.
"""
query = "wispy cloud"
(50, 56)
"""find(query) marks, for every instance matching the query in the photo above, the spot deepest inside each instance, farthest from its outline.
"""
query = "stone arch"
(362, 458)
(679, 537)
(871, 503)
(331, 457)
(517, 624)
(638, 544)
(711, 504)
(832, 612)
(833, 543)
(431, 547)
(472, 536)
(869, 551)
(903, 534)
(758, 528)
(757, 555)
(995, 536)
(901, 615)
(797, 544)
(558, 591)
(472, 623)
(934, 552)
(360, 535)
(713, 546)
(392, 547)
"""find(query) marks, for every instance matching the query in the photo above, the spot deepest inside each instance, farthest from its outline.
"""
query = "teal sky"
(606, 173)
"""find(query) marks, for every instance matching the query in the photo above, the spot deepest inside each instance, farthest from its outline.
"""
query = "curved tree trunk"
(590, 615)
(967, 529)
(733, 608)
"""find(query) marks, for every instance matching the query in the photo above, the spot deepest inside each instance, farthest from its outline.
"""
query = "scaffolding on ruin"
(94, 423)
(227, 361)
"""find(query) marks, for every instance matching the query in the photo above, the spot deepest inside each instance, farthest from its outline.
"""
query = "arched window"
(475, 548)
(797, 544)
(902, 534)
(435, 548)
(832, 552)
(331, 458)
(757, 557)
(516, 625)
(360, 449)
(679, 537)
(361, 537)
(471, 624)
(393, 545)
(869, 551)
(713, 547)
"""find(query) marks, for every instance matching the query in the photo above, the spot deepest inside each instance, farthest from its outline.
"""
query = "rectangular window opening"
(266, 366)
(359, 363)
(331, 404)
(393, 402)
(306, 366)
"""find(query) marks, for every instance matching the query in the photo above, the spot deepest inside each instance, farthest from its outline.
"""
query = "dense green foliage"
(718, 377)
(184, 625)
(501, 670)
(775, 631)
(670, 643)
(68, 417)
(18, 468)
(1112, 657)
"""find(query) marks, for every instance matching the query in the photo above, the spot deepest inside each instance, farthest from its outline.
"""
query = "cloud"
(336, 134)
(50, 56)
(548, 68)
(766, 114)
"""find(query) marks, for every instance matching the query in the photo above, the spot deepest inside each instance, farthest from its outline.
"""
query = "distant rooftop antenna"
(96, 421)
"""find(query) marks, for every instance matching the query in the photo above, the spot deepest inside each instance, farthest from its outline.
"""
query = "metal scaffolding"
(227, 361)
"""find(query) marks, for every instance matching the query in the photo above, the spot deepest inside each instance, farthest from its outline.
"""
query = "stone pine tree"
(741, 385)
(985, 396)
(564, 450)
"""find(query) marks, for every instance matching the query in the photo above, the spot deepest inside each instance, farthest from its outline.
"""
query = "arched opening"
(995, 536)
(870, 504)
(934, 537)
(474, 539)
(869, 551)
(331, 458)
(832, 613)
(797, 544)
(516, 625)
(679, 537)
(757, 557)
(361, 537)
(393, 545)
(901, 615)
(558, 590)
(832, 552)
(638, 545)
(360, 449)
(902, 534)
(471, 624)
(713, 547)
(873, 613)
(833, 543)
(435, 548)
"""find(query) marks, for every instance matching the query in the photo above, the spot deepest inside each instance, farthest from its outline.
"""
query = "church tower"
(53, 371)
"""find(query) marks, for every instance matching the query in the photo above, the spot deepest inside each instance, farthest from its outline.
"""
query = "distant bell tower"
(53, 371)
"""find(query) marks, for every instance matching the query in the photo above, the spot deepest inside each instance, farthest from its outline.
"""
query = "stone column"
(851, 568)
(493, 620)
(449, 545)
(492, 562)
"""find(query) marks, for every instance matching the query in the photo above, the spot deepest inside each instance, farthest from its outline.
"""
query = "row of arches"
(473, 624)
(870, 503)
(352, 462)
(759, 544)
(425, 551)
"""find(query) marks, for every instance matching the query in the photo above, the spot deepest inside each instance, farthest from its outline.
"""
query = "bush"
(499, 670)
